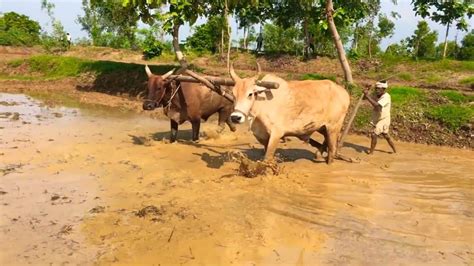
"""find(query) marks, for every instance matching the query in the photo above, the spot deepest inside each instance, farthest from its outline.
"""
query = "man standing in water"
(380, 115)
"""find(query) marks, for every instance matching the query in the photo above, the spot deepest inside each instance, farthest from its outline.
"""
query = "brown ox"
(183, 101)
(296, 108)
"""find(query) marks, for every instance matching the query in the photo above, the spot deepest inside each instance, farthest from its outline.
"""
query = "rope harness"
(168, 105)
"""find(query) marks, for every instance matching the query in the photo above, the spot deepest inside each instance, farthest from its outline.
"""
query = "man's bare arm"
(373, 102)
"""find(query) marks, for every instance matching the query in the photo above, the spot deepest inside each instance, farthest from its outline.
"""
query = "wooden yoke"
(223, 81)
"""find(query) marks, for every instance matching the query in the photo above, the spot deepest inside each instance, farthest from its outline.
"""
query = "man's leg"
(373, 143)
(390, 142)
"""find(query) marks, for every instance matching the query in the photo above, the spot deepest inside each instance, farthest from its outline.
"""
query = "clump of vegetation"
(468, 80)
(402, 95)
(316, 76)
(54, 67)
(456, 96)
(18, 30)
(451, 115)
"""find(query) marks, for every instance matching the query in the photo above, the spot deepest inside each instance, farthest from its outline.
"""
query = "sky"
(67, 12)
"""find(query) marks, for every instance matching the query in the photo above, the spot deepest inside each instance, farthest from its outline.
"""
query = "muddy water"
(82, 187)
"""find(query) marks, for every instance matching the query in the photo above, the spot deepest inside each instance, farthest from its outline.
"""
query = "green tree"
(109, 23)
(281, 40)
(446, 12)
(423, 41)
(398, 49)
(18, 30)
(467, 49)
(56, 40)
(451, 50)
(207, 37)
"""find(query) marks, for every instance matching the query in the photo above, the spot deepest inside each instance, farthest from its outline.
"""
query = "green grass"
(401, 95)
(451, 115)
(56, 67)
(468, 80)
(405, 76)
(456, 97)
(316, 76)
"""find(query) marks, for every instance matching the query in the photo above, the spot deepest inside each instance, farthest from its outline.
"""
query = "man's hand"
(366, 93)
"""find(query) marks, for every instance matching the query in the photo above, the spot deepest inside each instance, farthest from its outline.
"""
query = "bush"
(18, 30)
(452, 116)
(152, 47)
(467, 50)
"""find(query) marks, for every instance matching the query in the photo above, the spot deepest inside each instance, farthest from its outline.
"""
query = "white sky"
(68, 10)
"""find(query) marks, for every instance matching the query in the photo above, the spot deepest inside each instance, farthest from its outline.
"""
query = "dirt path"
(82, 187)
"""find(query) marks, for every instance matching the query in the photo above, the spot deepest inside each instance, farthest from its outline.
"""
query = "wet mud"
(84, 187)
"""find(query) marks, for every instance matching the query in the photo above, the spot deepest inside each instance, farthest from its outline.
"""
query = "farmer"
(380, 115)
(68, 39)
(259, 42)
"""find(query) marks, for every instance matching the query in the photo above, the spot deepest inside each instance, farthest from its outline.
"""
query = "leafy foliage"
(207, 36)
(279, 40)
(18, 30)
(150, 42)
(109, 23)
(423, 41)
(56, 40)
(466, 51)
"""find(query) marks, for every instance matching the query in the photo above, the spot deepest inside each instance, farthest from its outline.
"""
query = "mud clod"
(55, 197)
(150, 211)
(250, 169)
(65, 230)
(97, 209)
(11, 168)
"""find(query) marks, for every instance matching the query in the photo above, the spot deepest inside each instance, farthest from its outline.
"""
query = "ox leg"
(196, 125)
(332, 146)
(231, 124)
(174, 131)
(272, 145)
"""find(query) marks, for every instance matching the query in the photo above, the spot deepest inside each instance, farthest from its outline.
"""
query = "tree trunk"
(177, 50)
(306, 39)
(337, 41)
(222, 44)
(446, 41)
(355, 43)
(184, 65)
(228, 32)
(370, 45)
(245, 39)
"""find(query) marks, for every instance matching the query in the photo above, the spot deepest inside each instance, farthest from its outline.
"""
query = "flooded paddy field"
(91, 186)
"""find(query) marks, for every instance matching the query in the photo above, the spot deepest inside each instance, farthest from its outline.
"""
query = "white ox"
(296, 108)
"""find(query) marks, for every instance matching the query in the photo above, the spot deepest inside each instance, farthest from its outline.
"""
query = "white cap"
(381, 84)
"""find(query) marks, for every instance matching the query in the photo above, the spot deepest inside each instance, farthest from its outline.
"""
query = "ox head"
(245, 93)
(156, 89)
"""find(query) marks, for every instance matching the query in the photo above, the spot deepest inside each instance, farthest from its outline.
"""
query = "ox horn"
(165, 76)
(148, 71)
(232, 73)
(259, 69)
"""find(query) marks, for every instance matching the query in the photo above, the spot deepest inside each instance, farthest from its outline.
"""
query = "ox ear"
(148, 71)
(165, 76)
